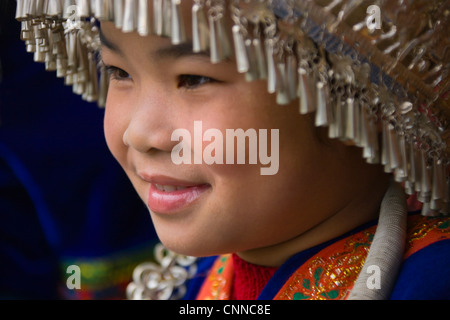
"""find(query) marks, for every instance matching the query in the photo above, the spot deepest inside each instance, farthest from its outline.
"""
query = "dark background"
(63, 198)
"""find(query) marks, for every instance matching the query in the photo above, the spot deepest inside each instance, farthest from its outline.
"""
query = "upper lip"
(166, 180)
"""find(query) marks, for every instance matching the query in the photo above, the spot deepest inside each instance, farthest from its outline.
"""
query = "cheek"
(115, 123)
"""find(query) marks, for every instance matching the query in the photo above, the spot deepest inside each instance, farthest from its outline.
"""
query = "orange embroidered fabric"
(423, 231)
(331, 273)
(217, 285)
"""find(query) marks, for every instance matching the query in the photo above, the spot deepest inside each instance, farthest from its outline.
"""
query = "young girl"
(293, 81)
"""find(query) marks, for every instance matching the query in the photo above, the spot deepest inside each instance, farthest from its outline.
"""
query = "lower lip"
(169, 202)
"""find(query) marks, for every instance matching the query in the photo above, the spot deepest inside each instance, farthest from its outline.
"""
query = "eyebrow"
(171, 51)
(178, 51)
(107, 43)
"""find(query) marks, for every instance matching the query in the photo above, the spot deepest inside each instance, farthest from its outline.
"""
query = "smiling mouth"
(169, 188)
(167, 199)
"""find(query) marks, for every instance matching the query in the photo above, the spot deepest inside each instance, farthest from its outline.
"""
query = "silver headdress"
(357, 64)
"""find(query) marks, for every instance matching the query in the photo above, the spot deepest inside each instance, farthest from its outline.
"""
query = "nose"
(150, 125)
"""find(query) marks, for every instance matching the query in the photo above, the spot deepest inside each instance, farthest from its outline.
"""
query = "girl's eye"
(118, 74)
(189, 81)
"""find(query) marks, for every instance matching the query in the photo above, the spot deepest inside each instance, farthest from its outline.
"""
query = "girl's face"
(156, 88)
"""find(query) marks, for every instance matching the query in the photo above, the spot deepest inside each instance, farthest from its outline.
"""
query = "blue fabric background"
(62, 195)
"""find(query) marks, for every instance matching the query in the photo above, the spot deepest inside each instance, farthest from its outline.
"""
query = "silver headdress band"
(357, 64)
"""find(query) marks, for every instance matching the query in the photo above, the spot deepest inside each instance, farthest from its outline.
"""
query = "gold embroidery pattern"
(331, 275)
(423, 231)
(219, 280)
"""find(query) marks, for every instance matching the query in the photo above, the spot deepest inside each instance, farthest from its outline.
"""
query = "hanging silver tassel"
(220, 46)
(71, 44)
(271, 67)
(385, 156)
(305, 92)
(401, 172)
(158, 17)
(20, 11)
(143, 21)
(41, 7)
(242, 61)
(200, 30)
(394, 150)
(68, 7)
(167, 18)
(82, 69)
(103, 87)
(425, 175)
(178, 32)
(84, 8)
(438, 185)
(253, 72)
(369, 136)
(260, 59)
(118, 13)
(91, 93)
(55, 8)
(291, 75)
(129, 16)
(282, 86)
(351, 114)
(104, 10)
(323, 113)
(411, 169)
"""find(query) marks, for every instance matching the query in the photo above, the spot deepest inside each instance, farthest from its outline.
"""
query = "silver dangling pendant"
(103, 90)
(350, 122)
(83, 65)
(143, 21)
(61, 67)
(385, 147)
(54, 8)
(158, 17)
(401, 172)
(323, 115)
(68, 9)
(271, 68)
(339, 119)
(167, 18)
(220, 46)
(261, 64)
(20, 11)
(417, 170)
(41, 7)
(129, 16)
(26, 34)
(425, 188)
(84, 8)
(394, 150)
(369, 136)
(411, 169)
(253, 72)
(71, 42)
(281, 84)
(178, 32)
(118, 13)
(438, 185)
(200, 30)
(242, 60)
(292, 75)
(305, 92)
(92, 88)
(104, 10)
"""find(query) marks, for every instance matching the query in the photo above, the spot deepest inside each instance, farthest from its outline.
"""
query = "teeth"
(168, 188)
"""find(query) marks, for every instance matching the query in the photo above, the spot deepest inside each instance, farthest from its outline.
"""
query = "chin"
(198, 247)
